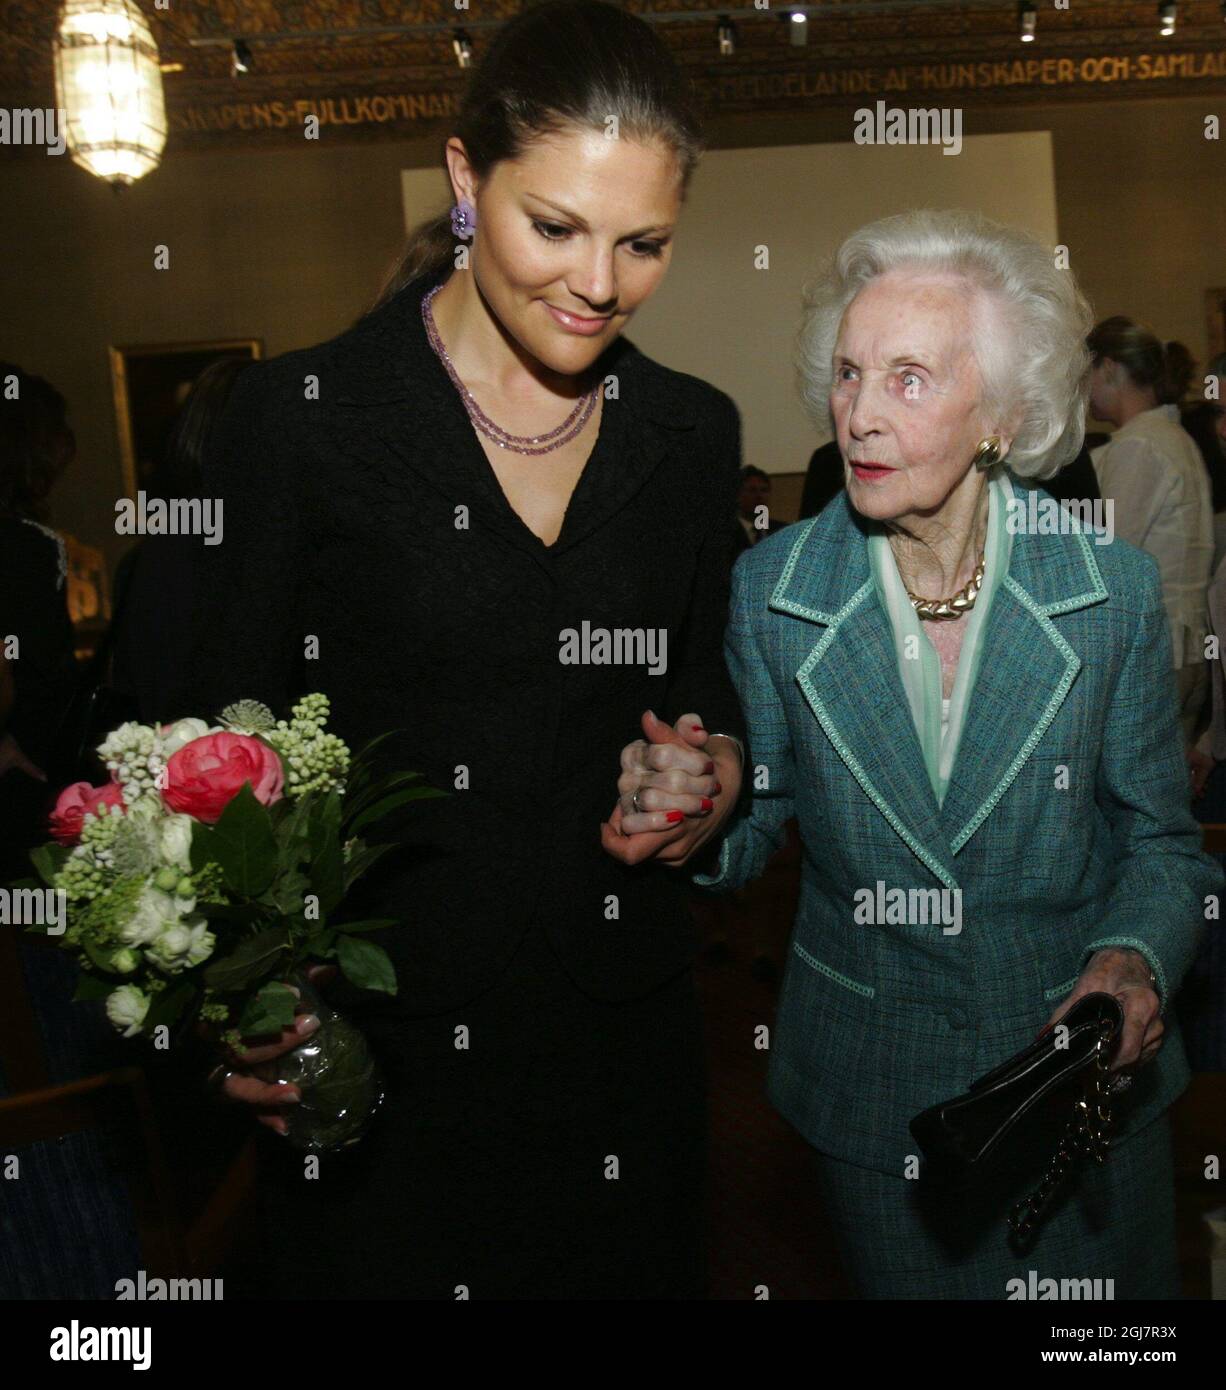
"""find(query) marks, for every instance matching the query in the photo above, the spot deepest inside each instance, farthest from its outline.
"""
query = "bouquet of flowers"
(201, 880)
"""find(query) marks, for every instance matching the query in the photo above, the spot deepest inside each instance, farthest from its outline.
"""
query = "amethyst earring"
(463, 219)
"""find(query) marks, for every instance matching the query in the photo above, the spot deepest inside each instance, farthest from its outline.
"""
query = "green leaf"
(389, 803)
(168, 1004)
(354, 804)
(244, 845)
(201, 851)
(288, 891)
(318, 943)
(360, 763)
(269, 1010)
(293, 830)
(362, 859)
(253, 958)
(48, 860)
(364, 964)
(94, 986)
(243, 913)
(327, 856)
(101, 956)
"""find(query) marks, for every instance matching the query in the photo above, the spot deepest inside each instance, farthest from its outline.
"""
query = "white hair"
(1028, 338)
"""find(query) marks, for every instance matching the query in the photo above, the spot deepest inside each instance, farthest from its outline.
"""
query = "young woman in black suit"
(432, 518)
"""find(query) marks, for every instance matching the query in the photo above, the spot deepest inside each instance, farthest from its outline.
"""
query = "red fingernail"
(708, 804)
(698, 729)
(718, 789)
(710, 768)
(674, 816)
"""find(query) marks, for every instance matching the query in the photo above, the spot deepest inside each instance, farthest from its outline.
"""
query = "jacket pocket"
(837, 976)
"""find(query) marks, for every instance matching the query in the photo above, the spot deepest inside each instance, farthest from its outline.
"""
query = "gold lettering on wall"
(761, 89)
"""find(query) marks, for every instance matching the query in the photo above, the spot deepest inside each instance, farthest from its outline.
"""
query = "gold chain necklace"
(937, 609)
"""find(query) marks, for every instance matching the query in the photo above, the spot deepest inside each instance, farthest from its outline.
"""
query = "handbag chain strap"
(1087, 1135)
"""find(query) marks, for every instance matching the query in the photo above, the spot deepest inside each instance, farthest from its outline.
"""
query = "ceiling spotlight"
(463, 49)
(1028, 18)
(798, 29)
(1166, 12)
(727, 35)
(240, 58)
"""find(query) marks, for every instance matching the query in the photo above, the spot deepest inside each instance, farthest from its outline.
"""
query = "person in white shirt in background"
(1154, 473)
(1206, 421)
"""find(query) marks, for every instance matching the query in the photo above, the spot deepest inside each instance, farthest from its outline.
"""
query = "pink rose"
(205, 775)
(75, 802)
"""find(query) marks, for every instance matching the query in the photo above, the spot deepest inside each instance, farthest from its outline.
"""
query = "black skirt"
(561, 1154)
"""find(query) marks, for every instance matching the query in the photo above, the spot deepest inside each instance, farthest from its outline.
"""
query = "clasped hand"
(686, 781)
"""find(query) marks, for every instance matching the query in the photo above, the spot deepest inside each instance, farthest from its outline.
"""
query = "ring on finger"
(634, 801)
(216, 1080)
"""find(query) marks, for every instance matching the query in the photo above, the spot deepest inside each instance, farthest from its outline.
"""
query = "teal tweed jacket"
(1065, 826)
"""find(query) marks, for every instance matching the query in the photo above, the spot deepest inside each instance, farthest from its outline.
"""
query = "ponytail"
(430, 249)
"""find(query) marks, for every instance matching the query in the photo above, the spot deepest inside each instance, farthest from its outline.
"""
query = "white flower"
(155, 911)
(176, 842)
(126, 1007)
(183, 945)
(135, 757)
(124, 960)
(183, 731)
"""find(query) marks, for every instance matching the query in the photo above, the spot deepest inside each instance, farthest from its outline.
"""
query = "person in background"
(67, 1228)
(823, 479)
(1153, 471)
(1205, 421)
(36, 446)
(1077, 481)
(1202, 1002)
(755, 493)
(154, 581)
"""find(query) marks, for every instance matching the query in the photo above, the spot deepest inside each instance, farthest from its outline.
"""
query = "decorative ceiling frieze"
(350, 63)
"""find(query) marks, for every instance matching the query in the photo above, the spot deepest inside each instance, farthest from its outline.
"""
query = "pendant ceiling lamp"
(108, 85)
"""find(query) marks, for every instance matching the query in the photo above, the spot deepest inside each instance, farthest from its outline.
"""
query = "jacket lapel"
(851, 683)
(392, 392)
(1026, 672)
(850, 680)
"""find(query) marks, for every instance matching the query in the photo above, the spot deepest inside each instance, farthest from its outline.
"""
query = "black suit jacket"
(371, 520)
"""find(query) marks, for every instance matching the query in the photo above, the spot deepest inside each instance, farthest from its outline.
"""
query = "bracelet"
(740, 747)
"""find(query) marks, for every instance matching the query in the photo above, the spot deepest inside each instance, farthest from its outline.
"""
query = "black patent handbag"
(1052, 1098)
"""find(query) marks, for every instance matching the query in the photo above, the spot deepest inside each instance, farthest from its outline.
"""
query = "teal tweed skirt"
(1114, 1224)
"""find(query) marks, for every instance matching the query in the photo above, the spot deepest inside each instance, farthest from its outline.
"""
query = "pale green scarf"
(921, 672)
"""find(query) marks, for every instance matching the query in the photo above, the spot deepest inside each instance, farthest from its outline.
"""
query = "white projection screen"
(719, 318)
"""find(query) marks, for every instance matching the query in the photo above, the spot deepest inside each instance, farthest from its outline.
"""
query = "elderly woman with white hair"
(949, 698)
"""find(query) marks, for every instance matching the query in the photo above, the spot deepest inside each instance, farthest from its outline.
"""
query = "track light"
(726, 33)
(1028, 18)
(463, 49)
(240, 58)
(1166, 13)
(798, 29)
